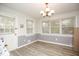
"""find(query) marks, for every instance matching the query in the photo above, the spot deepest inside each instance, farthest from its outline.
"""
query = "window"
(63, 27)
(45, 26)
(6, 24)
(55, 26)
(68, 26)
(29, 27)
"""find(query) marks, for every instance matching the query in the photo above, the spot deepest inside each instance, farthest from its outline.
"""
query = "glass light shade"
(49, 14)
(44, 14)
(47, 10)
(41, 12)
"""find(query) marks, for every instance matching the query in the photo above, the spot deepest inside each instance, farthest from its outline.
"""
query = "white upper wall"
(12, 39)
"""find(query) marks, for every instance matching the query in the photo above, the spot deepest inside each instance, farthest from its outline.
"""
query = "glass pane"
(1, 30)
(29, 24)
(68, 26)
(45, 27)
(6, 24)
(0, 19)
(45, 30)
(68, 22)
(29, 30)
(7, 30)
(67, 30)
(55, 27)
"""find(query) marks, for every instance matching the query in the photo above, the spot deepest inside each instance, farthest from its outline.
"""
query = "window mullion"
(60, 26)
(49, 27)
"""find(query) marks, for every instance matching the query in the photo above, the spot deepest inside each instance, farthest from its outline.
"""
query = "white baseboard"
(43, 41)
(55, 43)
(25, 45)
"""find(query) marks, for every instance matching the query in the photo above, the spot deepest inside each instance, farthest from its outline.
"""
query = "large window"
(45, 26)
(63, 26)
(68, 26)
(6, 24)
(55, 26)
(29, 28)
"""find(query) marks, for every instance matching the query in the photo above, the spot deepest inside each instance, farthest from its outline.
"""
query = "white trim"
(64, 35)
(29, 34)
(32, 25)
(42, 41)
(24, 45)
(60, 26)
(76, 21)
(49, 27)
(27, 44)
(60, 32)
(55, 43)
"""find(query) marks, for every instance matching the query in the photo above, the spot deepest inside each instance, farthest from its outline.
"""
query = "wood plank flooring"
(44, 49)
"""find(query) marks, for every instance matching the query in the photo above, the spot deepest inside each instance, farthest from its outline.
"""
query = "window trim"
(32, 27)
(48, 27)
(60, 30)
(8, 33)
(51, 26)
(73, 26)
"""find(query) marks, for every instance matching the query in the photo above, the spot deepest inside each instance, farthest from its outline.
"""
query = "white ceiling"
(33, 9)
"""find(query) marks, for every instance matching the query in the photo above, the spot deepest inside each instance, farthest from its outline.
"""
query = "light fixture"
(47, 11)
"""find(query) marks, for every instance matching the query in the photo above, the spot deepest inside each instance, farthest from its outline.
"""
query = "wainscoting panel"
(57, 39)
(22, 40)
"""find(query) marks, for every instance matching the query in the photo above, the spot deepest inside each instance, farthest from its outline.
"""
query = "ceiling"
(33, 9)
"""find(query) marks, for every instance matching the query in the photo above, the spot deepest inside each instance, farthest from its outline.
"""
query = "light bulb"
(52, 11)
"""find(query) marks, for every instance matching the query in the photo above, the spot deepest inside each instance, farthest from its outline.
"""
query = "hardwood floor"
(44, 49)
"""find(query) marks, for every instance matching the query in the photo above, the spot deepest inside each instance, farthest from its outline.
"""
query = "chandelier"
(47, 11)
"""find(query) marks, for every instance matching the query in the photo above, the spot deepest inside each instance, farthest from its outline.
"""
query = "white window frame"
(42, 27)
(5, 24)
(32, 27)
(60, 30)
(59, 27)
(74, 24)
